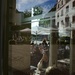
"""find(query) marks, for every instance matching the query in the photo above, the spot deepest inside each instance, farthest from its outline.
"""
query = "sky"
(23, 5)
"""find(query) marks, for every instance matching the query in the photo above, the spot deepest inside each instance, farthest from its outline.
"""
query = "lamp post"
(35, 32)
(36, 37)
(72, 50)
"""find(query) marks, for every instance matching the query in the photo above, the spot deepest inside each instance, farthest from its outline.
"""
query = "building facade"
(65, 20)
(65, 16)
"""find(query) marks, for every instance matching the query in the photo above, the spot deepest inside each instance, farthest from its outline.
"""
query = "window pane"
(73, 3)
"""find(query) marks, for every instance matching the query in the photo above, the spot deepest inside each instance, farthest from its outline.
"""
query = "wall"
(19, 57)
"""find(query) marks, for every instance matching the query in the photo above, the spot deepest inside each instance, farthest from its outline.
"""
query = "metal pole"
(71, 52)
(36, 37)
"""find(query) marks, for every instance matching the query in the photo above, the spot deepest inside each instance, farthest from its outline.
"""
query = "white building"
(65, 16)
(42, 25)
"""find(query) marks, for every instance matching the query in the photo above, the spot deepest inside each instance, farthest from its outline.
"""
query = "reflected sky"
(23, 5)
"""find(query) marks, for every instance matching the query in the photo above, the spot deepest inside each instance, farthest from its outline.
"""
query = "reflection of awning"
(26, 30)
(40, 33)
(43, 31)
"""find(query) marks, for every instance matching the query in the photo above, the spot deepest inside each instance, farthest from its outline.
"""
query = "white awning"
(26, 30)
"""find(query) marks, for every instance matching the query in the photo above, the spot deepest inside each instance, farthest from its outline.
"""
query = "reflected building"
(65, 20)
(65, 16)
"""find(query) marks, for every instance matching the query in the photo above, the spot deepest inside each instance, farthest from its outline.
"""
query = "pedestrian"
(44, 42)
(43, 63)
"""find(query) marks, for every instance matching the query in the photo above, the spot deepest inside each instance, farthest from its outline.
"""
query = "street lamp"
(35, 32)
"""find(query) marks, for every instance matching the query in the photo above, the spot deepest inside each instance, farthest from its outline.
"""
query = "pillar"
(72, 52)
(53, 47)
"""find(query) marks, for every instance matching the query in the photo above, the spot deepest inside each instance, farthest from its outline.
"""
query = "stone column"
(72, 52)
(53, 47)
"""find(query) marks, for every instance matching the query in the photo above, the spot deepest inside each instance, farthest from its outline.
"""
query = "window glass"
(73, 19)
(34, 40)
(62, 22)
(67, 9)
(67, 21)
(57, 24)
(58, 15)
(62, 2)
(73, 3)
(61, 12)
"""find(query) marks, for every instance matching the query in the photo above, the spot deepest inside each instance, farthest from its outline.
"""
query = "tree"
(27, 13)
(44, 21)
(38, 10)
